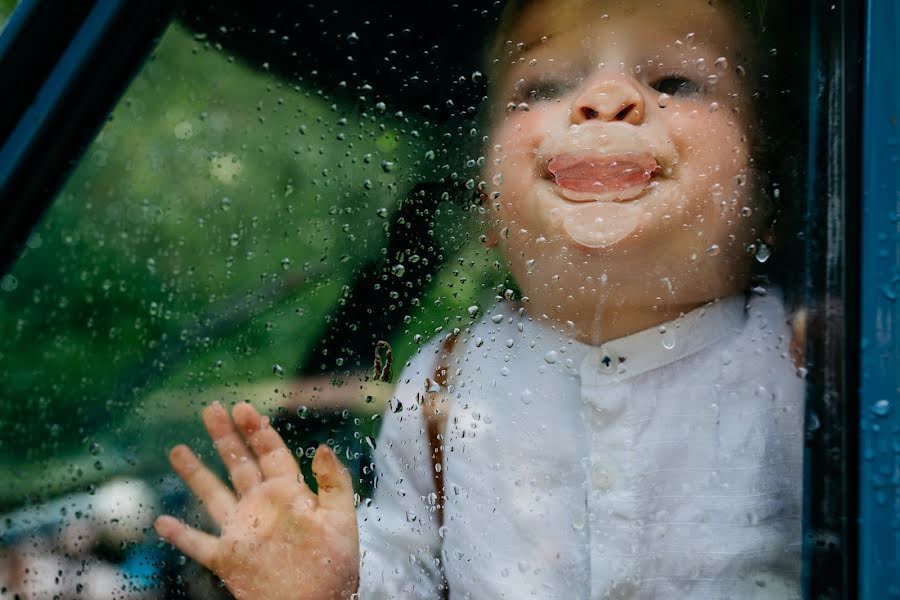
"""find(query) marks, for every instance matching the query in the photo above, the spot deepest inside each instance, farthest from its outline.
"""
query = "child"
(632, 429)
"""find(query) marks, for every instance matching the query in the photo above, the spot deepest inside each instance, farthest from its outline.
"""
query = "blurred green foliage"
(202, 239)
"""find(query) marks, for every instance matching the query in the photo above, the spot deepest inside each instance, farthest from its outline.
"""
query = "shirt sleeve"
(399, 529)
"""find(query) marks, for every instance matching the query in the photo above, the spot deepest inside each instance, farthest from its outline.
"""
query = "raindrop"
(668, 341)
(233, 239)
(551, 357)
(746, 211)
(721, 62)
(380, 107)
(473, 311)
(663, 100)
(812, 422)
(285, 263)
(497, 318)
(225, 204)
(277, 369)
(9, 283)
(713, 250)
(763, 253)
(398, 270)
(527, 396)
(529, 266)
(382, 212)
(881, 408)
(713, 107)
(387, 166)
(509, 343)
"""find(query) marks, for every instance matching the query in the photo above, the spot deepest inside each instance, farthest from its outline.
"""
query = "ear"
(797, 346)
(492, 238)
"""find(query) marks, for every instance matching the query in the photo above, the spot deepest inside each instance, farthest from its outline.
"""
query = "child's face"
(629, 169)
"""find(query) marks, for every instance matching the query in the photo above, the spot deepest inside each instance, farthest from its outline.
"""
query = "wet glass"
(538, 294)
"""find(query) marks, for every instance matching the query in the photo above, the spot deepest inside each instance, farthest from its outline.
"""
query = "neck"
(608, 320)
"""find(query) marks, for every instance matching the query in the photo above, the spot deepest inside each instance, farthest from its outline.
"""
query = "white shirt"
(666, 464)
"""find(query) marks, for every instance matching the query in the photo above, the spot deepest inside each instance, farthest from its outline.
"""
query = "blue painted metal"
(879, 526)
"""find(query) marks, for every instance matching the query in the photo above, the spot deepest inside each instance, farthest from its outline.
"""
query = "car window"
(551, 323)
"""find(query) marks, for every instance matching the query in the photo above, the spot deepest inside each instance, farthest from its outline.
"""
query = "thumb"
(335, 485)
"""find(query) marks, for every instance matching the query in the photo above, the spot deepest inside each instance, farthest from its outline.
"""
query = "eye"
(544, 89)
(677, 85)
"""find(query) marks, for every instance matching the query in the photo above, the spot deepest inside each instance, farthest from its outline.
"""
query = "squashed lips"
(591, 177)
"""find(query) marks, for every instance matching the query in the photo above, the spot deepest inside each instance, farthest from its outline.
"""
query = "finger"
(219, 500)
(274, 457)
(198, 545)
(242, 467)
(335, 485)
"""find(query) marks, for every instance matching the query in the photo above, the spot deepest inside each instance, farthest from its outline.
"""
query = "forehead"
(643, 21)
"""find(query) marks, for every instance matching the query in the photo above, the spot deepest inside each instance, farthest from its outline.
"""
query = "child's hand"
(278, 539)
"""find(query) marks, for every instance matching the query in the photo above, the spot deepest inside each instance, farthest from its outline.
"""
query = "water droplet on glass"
(713, 107)
(233, 239)
(527, 397)
(285, 263)
(551, 357)
(881, 408)
(387, 166)
(398, 270)
(473, 311)
(382, 212)
(812, 422)
(668, 340)
(277, 369)
(225, 203)
(497, 179)
(496, 319)
(529, 266)
(663, 100)
(510, 343)
(763, 253)
(713, 250)
(746, 211)
(721, 62)
(9, 283)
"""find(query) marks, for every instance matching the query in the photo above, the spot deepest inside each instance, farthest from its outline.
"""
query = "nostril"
(623, 114)
(588, 112)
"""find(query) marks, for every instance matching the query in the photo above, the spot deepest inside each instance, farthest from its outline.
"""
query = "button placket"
(609, 494)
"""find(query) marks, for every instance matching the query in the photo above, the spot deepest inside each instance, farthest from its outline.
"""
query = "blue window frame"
(879, 344)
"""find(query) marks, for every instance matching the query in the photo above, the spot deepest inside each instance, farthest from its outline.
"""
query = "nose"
(609, 99)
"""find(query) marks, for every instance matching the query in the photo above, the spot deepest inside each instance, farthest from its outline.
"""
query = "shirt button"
(603, 476)
(608, 363)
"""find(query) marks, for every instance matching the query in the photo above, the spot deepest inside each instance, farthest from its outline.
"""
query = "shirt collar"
(632, 355)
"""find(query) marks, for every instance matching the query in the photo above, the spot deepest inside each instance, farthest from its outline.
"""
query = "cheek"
(714, 154)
